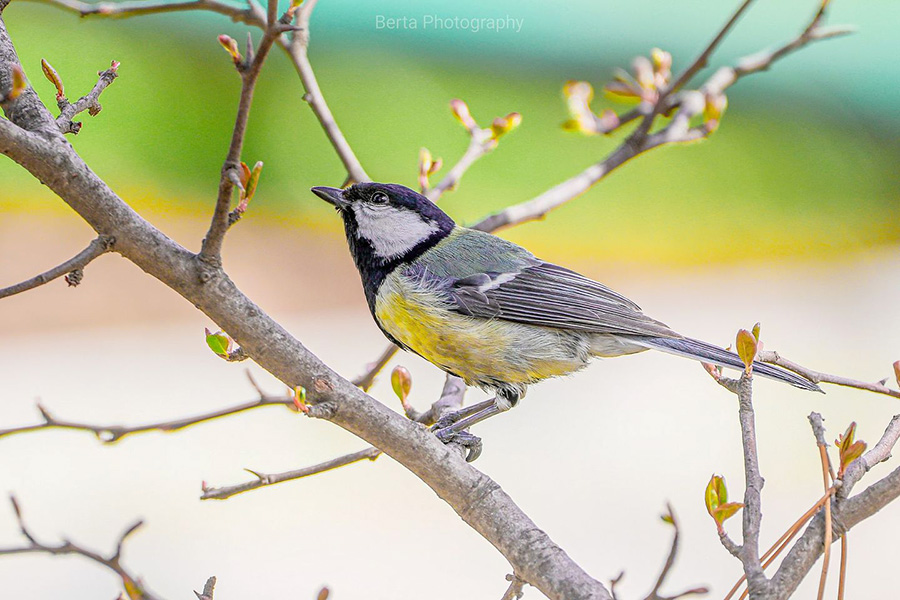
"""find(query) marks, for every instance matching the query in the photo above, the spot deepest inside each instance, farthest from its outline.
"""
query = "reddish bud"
(747, 347)
(231, 46)
(460, 110)
(18, 83)
(503, 125)
(51, 74)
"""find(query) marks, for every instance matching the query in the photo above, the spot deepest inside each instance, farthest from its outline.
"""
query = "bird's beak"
(333, 196)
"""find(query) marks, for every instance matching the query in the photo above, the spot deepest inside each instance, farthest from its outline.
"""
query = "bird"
(487, 310)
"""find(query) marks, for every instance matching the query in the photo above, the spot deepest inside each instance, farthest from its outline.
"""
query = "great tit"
(489, 311)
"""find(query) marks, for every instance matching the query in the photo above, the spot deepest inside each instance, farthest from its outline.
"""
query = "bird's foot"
(472, 443)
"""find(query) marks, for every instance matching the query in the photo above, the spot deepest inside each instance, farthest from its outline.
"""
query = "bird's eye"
(379, 198)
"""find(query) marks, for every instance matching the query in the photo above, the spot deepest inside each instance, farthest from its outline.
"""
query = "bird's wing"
(552, 296)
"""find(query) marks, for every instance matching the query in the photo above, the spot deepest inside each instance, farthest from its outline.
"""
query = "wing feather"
(552, 296)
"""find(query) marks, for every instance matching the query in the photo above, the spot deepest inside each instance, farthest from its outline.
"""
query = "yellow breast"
(481, 351)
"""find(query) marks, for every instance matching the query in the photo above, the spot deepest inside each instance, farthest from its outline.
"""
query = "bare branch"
(639, 141)
(481, 142)
(880, 452)
(297, 49)
(109, 434)
(130, 582)
(211, 250)
(250, 15)
(72, 267)
(366, 380)
(89, 102)
(819, 377)
(703, 59)
(752, 511)
(149, 7)
(265, 479)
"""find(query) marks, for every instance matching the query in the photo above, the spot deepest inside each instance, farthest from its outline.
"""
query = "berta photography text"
(438, 23)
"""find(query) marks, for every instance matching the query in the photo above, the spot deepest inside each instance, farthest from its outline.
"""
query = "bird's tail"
(719, 356)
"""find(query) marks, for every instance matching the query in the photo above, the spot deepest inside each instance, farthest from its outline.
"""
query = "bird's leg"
(451, 428)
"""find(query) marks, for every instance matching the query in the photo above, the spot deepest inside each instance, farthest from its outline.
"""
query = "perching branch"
(133, 585)
(72, 268)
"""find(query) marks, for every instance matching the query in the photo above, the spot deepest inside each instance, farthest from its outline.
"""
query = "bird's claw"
(472, 443)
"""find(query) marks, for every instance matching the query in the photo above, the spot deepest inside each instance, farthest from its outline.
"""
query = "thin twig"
(89, 102)
(109, 434)
(480, 143)
(880, 452)
(703, 59)
(639, 141)
(250, 15)
(211, 249)
(266, 479)
(514, 591)
(298, 49)
(131, 583)
(366, 380)
(752, 511)
(823, 456)
(73, 266)
(819, 377)
(781, 543)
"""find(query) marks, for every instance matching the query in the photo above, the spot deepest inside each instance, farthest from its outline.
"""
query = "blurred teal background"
(804, 163)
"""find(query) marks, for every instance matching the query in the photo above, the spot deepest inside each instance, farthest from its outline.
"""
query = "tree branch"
(366, 380)
(847, 512)
(133, 585)
(266, 479)
(89, 102)
(639, 142)
(211, 249)
(480, 143)
(298, 49)
(109, 434)
(819, 377)
(72, 268)
(752, 512)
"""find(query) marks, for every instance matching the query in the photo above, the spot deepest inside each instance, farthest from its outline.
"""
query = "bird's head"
(386, 222)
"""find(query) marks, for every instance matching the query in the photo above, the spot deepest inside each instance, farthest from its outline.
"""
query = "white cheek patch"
(391, 231)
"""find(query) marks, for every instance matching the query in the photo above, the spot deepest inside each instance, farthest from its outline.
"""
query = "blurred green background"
(804, 163)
